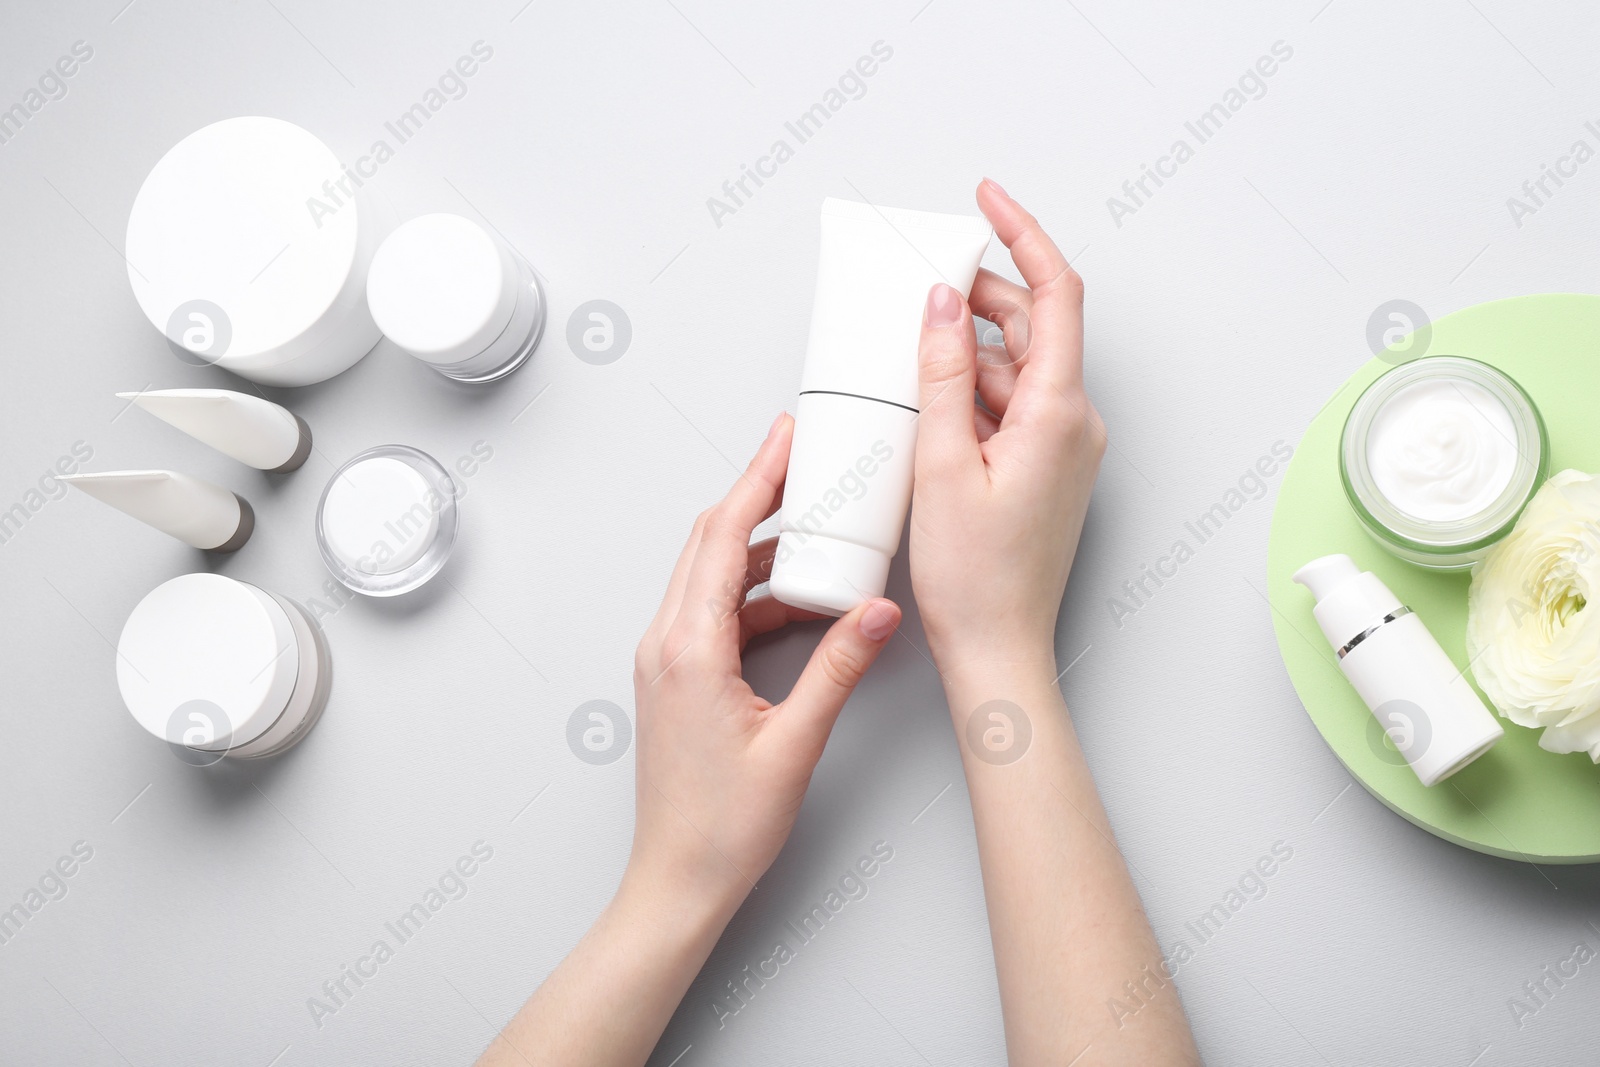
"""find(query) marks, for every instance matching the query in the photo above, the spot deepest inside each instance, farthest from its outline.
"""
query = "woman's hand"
(720, 772)
(1001, 493)
(999, 502)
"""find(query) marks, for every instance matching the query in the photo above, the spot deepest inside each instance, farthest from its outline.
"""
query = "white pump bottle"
(1430, 711)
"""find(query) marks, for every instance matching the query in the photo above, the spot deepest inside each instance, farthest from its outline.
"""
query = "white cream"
(387, 520)
(380, 515)
(1442, 449)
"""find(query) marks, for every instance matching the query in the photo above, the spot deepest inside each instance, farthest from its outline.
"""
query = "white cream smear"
(1442, 450)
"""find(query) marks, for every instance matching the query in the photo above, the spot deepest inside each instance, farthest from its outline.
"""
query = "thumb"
(947, 373)
(848, 648)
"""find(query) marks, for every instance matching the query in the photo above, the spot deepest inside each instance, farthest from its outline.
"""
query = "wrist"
(681, 895)
(1026, 680)
(667, 922)
(974, 668)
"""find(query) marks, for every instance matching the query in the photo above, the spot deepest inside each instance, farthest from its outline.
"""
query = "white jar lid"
(442, 288)
(205, 637)
(247, 215)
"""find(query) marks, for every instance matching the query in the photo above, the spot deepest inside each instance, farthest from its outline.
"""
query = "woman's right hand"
(996, 511)
(1001, 493)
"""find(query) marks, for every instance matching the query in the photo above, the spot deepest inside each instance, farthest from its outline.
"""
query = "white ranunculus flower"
(1533, 642)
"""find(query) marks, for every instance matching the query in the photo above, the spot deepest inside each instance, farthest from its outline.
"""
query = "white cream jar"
(217, 667)
(248, 247)
(1438, 458)
(387, 520)
(457, 297)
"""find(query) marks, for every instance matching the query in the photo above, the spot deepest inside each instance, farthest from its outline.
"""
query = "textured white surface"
(1222, 314)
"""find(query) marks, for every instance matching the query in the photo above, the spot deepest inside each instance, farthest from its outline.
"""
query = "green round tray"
(1516, 801)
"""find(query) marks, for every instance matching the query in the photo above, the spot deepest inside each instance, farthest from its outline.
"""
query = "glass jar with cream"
(387, 520)
(1438, 458)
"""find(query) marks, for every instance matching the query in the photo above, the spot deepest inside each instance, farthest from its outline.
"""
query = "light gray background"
(1221, 316)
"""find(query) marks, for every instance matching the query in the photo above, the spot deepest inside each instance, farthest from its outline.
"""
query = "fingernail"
(880, 619)
(944, 306)
(997, 186)
(776, 423)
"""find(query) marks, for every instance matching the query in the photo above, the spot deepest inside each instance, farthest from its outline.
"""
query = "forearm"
(608, 1001)
(1067, 925)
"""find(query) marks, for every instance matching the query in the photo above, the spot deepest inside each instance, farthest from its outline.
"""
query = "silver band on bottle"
(1398, 613)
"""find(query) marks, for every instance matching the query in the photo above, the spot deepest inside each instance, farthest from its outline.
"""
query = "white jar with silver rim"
(456, 297)
(217, 667)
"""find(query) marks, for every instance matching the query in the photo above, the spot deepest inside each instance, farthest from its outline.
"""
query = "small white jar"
(248, 247)
(217, 667)
(387, 520)
(456, 297)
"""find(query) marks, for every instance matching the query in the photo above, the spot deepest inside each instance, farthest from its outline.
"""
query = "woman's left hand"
(720, 772)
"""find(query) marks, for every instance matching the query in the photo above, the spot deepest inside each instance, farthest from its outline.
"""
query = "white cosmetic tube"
(195, 511)
(849, 481)
(253, 431)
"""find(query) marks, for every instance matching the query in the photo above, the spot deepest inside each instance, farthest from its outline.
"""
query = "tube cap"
(825, 575)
